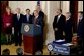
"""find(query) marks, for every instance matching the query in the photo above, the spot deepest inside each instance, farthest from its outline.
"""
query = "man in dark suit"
(18, 17)
(40, 11)
(38, 21)
(68, 28)
(58, 25)
(28, 17)
(80, 31)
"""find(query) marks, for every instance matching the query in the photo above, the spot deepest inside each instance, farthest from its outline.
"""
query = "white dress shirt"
(36, 17)
(68, 18)
(27, 15)
(58, 18)
(18, 16)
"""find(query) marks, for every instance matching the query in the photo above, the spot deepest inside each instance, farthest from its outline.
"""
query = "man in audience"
(19, 51)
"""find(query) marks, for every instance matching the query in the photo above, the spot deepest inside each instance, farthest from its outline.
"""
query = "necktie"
(27, 18)
(18, 16)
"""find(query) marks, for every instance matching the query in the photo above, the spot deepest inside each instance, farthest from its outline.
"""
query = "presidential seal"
(50, 47)
(26, 28)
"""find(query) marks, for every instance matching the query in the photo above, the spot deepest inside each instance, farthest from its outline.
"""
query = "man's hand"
(56, 29)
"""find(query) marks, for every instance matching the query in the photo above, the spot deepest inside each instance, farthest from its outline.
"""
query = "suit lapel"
(19, 17)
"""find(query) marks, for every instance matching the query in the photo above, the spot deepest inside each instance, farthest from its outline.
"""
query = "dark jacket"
(39, 21)
(25, 19)
(61, 23)
(68, 27)
(41, 14)
(80, 31)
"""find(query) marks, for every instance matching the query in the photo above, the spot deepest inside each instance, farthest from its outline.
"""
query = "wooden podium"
(31, 35)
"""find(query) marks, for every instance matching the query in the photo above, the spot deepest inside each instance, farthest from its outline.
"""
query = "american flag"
(38, 3)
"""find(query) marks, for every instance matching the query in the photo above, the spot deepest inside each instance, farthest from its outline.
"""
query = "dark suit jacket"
(17, 23)
(80, 31)
(41, 14)
(68, 27)
(25, 19)
(61, 23)
(39, 21)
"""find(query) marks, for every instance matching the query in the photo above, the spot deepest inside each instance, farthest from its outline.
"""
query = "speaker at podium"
(31, 36)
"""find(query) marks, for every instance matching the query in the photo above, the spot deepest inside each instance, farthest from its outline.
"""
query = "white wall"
(65, 6)
(23, 5)
(51, 8)
(80, 5)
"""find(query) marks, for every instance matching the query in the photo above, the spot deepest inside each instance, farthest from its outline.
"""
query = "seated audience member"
(41, 14)
(6, 52)
(19, 51)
